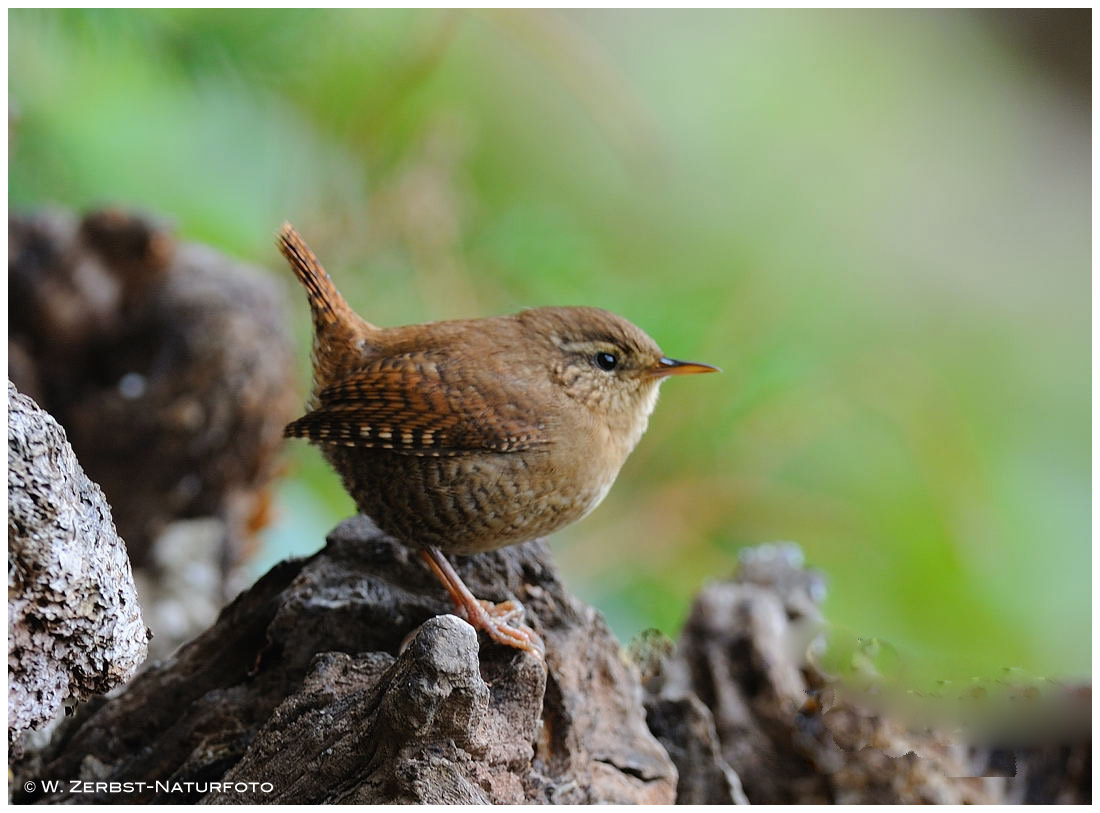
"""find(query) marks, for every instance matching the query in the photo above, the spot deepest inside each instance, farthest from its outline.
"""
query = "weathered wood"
(74, 626)
(341, 678)
(302, 683)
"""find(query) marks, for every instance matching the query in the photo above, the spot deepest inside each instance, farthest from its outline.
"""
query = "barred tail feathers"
(329, 307)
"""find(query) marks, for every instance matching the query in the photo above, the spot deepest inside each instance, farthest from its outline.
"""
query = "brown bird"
(469, 435)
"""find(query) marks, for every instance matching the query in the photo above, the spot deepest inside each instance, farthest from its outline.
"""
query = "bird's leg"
(493, 619)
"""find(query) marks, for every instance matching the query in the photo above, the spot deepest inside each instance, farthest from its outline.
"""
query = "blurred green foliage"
(876, 222)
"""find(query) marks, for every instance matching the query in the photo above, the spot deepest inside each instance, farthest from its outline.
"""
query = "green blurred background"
(878, 224)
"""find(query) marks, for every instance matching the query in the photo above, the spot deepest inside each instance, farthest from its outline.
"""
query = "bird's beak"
(667, 366)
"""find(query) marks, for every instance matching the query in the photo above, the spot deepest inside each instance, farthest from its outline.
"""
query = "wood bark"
(343, 678)
(74, 626)
(305, 682)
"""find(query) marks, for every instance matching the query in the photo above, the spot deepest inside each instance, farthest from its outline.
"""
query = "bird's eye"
(606, 361)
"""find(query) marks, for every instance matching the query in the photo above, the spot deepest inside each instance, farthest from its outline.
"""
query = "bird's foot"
(506, 611)
(503, 623)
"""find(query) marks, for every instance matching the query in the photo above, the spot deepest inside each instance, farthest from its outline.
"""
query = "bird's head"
(606, 363)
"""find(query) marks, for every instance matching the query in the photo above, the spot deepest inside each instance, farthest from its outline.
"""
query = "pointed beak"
(673, 367)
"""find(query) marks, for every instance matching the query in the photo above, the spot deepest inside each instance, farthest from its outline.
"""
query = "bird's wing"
(416, 404)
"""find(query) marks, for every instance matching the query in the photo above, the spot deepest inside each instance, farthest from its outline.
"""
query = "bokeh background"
(877, 223)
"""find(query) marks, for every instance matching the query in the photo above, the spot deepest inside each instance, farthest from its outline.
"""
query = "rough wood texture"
(74, 625)
(685, 727)
(300, 683)
(341, 679)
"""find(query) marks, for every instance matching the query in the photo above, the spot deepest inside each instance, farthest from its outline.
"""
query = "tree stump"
(303, 684)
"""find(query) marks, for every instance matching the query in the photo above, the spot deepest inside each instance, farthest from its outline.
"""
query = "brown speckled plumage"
(469, 435)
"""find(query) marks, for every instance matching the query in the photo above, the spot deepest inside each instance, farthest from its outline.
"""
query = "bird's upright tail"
(330, 309)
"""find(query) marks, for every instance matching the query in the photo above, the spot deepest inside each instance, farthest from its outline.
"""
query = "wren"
(469, 435)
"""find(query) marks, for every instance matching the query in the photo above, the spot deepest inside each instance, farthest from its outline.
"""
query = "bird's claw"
(506, 611)
(503, 623)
